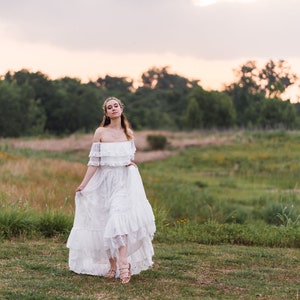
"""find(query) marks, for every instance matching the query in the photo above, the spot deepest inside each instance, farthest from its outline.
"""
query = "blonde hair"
(124, 122)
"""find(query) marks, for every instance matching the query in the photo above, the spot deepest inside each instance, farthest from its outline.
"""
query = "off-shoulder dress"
(111, 211)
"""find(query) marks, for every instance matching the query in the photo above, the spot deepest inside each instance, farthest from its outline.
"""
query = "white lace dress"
(111, 211)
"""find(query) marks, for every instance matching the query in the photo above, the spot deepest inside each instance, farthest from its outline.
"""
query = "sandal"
(113, 268)
(125, 274)
(111, 273)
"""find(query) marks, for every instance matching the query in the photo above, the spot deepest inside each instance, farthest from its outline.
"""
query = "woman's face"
(113, 109)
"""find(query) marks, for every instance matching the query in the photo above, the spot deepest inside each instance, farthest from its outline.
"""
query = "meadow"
(227, 215)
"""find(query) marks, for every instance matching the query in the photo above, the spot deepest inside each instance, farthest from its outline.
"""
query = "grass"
(39, 183)
(244, 179)
(227, 218)
(251, 180)
(37, 269)
(33, 224)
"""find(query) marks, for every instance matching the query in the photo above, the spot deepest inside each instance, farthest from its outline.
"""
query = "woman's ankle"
(113, 263)
(123, 263)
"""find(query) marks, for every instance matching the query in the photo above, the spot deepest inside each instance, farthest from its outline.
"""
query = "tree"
(10, 110)
(152, 109)
(110, 83)
(224, 109)
(275, 78)
(255, 87)
(247, 78)
(74, 106)
(276, 113)
(156, 78)
(36, 118)
(216, 108)
(271, 81)
(193, 115)
(246, 105)
(38, 89)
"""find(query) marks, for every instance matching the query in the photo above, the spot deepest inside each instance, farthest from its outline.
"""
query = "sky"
(202, 40)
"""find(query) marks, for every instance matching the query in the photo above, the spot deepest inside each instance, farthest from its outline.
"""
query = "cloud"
(225, 30)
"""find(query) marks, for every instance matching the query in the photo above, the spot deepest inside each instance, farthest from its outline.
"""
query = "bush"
(213, 233)
(15, 223)
(54, 223)
(281, 214)
(238, 216)
(157, 142)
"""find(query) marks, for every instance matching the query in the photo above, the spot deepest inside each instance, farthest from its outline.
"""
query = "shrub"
(201, 184)
(17, 222)
(157, 142)
(54, 223)
(29, 223)
(281, 214)
(213, 233)
(288, 216)
(239, 216)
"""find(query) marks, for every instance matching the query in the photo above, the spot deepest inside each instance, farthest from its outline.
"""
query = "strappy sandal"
(113, 268)
(111, 273)
(125, 274)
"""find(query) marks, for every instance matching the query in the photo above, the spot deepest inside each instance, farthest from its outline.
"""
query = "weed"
(288, 217)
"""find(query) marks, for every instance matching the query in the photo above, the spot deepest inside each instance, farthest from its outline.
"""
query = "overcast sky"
(203, 40)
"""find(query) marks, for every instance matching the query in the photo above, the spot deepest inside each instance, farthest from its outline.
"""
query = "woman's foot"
(113, 268)
(111, 273)
(125, 274)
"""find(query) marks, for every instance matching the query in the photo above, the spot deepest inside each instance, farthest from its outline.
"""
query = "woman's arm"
(91, 169)
(88, 175)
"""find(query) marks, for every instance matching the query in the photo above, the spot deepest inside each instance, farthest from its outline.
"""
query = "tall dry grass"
(39, 184)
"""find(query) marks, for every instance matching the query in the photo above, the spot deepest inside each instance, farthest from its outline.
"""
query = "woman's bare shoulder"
(98, 134)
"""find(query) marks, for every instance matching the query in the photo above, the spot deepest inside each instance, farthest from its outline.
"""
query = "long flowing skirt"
(112, 211)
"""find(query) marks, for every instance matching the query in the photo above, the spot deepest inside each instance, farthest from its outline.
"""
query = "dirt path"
(176, 140)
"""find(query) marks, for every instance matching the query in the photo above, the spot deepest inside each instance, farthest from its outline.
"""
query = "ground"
(176, 141)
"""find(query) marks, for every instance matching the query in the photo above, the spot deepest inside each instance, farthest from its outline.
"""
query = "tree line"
(32, 104)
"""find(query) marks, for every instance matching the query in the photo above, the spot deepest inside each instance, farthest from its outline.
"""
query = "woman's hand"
(131, 164)
(80, 188)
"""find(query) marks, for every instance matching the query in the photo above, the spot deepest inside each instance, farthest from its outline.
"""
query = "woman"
(114, 223)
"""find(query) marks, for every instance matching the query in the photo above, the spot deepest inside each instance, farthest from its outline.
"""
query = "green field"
(228, 223)
(32, 269)
(246, 181)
